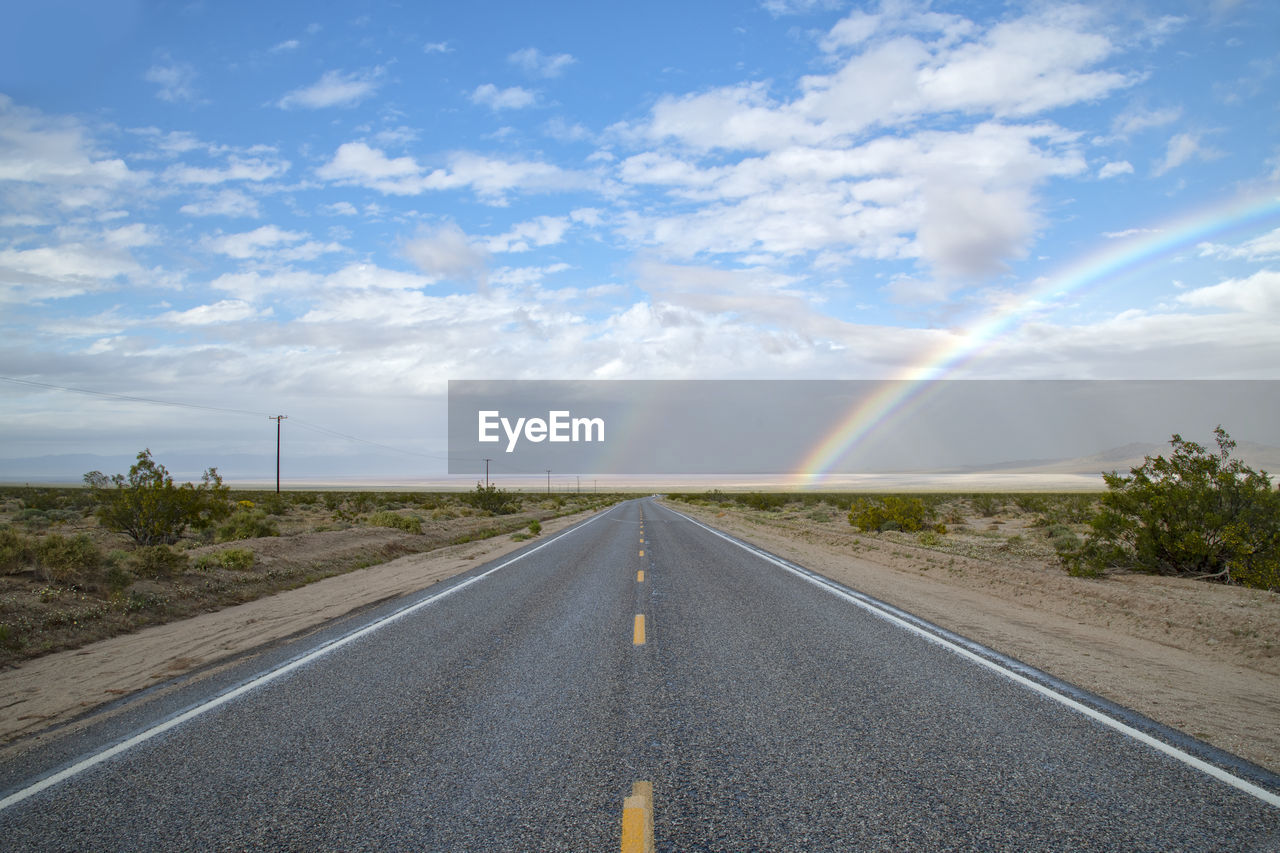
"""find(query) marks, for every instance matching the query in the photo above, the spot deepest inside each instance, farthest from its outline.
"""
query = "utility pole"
(548, 481)
(486, 472)
(277, 419)
(579, 484)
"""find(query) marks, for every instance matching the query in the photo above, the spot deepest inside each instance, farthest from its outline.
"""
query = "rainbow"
(895, 396)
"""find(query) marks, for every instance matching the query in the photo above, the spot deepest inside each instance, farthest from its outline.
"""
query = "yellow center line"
(641, 552)
(640, 576)
(637, 819)
(637, 637)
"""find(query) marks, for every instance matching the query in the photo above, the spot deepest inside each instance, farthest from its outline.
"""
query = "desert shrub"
(762, 500)
(497, 501)
(246, 524)
(535, 527)
(273, 504)
(118, 578)
(156, 561)
(986, 505)
(407, 523)
(17, 551)
(63, 559)
(1196, 514)
(234, 559)
(891, 512)
(32, 518)
(147, 507)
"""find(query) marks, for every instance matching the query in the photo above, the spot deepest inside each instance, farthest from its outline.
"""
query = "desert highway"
(512, 707)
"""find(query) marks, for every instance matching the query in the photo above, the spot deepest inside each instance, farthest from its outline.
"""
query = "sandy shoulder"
(1202, 658)
(57, 688)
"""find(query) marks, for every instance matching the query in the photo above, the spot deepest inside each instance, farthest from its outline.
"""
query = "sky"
(328, 211)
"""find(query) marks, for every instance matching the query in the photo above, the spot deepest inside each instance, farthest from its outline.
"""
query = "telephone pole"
(486, 472)
(277, 419)
(548, 481)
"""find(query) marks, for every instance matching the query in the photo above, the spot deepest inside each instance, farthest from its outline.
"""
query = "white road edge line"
(333, 645)
(1186, 758)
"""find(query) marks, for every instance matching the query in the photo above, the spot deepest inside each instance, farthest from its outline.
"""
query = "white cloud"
(543, 231)
(226, 311)
(494, 98)
(333, 89)
(797, 7)
(285, 46)
(437, 47)
(1138, 120)
(231, 203)
(1263, 248)
(1115, 169)
(446, 252)
(341, 208)
(176, 81)
(38, 149)
(359, 164)
(1129, 232)
(961, 201)
(32, 276)
(249, 244)
(238, 168)
(1257, 295)
(1182, 148)
(539, 64)
(1016, 68)
(905, 290)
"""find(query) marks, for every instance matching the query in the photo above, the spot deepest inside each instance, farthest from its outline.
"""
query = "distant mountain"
(234, 467)
(1257, 456)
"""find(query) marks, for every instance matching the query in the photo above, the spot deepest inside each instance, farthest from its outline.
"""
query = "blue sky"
(329, 211)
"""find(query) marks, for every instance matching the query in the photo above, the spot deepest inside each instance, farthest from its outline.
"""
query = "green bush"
(118, 578)
(763, 500)
(986, 505)
(65, 559)
(492, 499)
(891, 512)
(407, 523)
(234, 559)
(156, 561)
(147, 507)
(535, 527)
(246, 524)
(1196, 514)
(17, 551)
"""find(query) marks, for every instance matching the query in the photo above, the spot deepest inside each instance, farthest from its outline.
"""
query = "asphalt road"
(515, 711)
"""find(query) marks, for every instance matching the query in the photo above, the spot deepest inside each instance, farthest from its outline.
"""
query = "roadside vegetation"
(1197, 514)
(82, 564)
(984, 525)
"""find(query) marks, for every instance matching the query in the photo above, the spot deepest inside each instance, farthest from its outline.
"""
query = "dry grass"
(46, 605)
